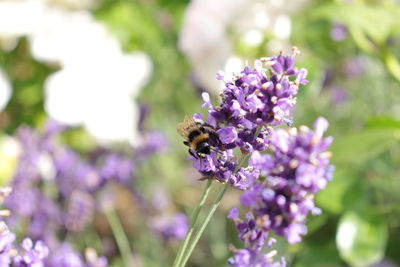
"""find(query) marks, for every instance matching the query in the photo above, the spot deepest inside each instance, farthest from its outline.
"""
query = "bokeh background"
(91, 92)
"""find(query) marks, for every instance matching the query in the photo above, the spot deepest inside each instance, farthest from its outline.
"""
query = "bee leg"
(193, 154)
(205, 178)
(186, 143)
(213, 135)
(214, 138)
(216, 150)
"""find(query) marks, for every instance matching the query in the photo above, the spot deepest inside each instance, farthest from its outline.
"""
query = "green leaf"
(375, 21)
(361, 238)
(324, 254)
(392, 64)
(383, 122)
(356, 148)
(332, 199)
(316, 222)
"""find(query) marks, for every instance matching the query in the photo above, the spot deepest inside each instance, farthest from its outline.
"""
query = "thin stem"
(204, 224)
(120, 237)
(195, 215)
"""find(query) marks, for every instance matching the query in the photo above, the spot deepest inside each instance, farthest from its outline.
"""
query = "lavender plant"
(59, 191)
(279, 170)
(28, 254)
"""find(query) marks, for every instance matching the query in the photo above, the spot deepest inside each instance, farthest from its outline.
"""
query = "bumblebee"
(198, 136)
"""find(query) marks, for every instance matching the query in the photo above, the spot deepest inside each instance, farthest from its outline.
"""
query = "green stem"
(120, 237)
(195, 215)
(204, 224)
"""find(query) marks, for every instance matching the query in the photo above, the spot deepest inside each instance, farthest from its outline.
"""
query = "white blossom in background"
(97, 82)
(99, 96)
(211, 27)
(68, 37)
(5, 90)
(17, 19)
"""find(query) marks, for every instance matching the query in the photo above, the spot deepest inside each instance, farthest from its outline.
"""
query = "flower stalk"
(185, 256)
(120, 236)
(203, 226)
(195, 215)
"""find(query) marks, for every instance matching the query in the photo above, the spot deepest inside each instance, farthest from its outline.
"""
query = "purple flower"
(353, 67)
(152, 142)
(339, 32)
(59, 197)
(251, 236)
(118, 168)
(227, 135)
(233, 213)
(338, 95)
(6, 240)
(65, 256)
(79, 211)
(258, 97)
(33, 256)
(171, 227)
(297, 169)
(254, 258)
(253, 239)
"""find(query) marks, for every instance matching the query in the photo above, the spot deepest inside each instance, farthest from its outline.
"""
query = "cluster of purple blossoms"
(253, 239)
(254, 100)
(56, 188)
(33, 254)
(29, 254)
(66, 256)
(297, 168)
(279, 185)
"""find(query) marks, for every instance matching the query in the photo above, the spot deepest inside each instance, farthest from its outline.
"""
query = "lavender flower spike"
(255, 99)
(253, 258)
(297, 169)
(33, 256)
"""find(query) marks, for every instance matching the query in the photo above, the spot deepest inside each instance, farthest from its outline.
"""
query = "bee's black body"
(199, 136)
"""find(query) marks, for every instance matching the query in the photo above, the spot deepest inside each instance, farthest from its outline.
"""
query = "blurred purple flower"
(353, 67)
(33, 256)
(171, 227)
(29, 255)
(55, 188)
(65, 256)
(153, 142)
(6, 240)
(79, 212)
(338, 32)
(338, 95)
(118, 168)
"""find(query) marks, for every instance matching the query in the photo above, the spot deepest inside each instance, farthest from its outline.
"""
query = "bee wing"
(183, 127)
